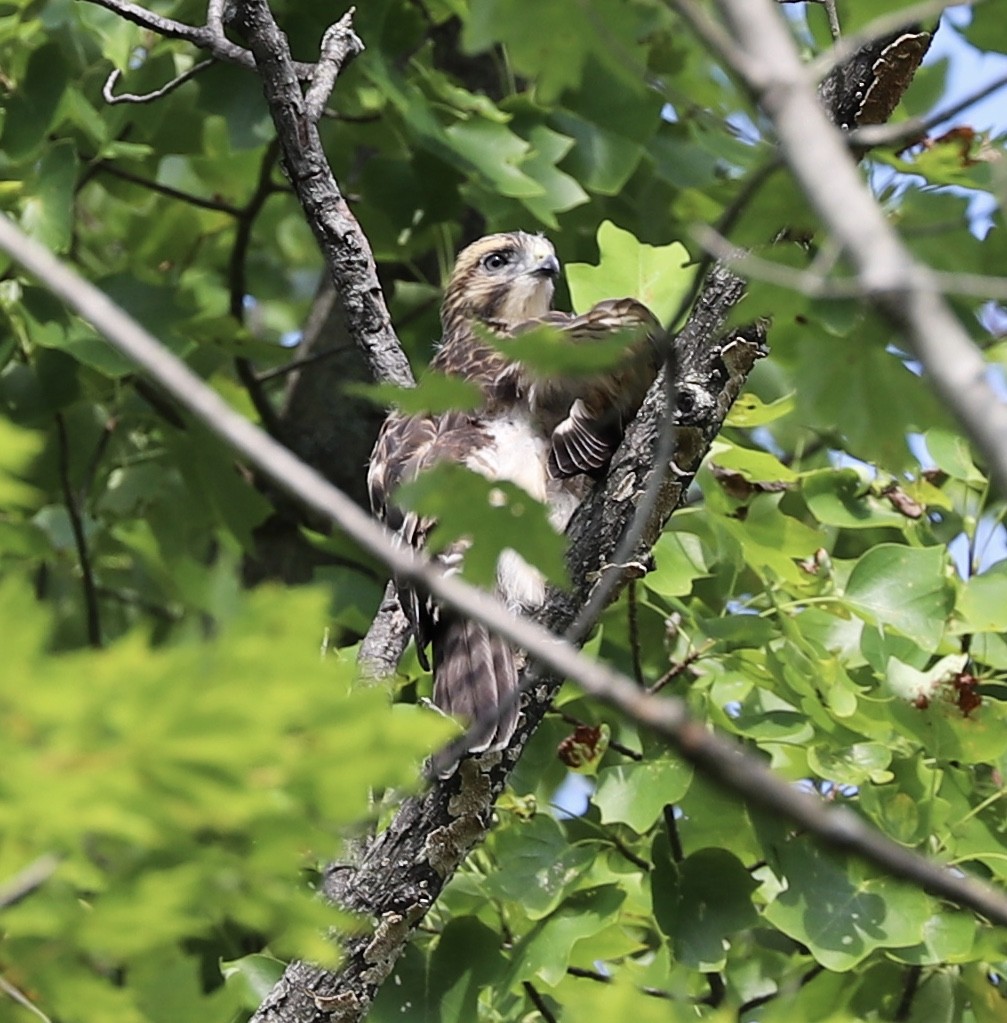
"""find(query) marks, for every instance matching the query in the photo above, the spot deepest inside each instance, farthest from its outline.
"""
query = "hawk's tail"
(474, 676)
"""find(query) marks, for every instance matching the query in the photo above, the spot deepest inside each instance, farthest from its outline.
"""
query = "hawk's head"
(503, 278)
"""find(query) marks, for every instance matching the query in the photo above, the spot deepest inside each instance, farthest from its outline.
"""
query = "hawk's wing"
(589, 414)
(474, 672)
(405, 447)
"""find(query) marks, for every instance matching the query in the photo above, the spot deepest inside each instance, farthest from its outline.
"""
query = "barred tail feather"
(474, 675)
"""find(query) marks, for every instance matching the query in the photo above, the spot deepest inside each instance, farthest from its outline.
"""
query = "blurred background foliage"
(180, 752)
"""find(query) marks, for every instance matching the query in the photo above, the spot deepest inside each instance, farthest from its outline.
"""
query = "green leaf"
(47, 202)
(466, 958)
(251, 977)
(851, 765)
(530, 42)
(495, 153)
(947, 160)
(537, 866)
(951, 453)
(547, 949)
(602, 159)
(860, 374)
(907, 810)
(169, 987)
(905, 588)
(637, 793)
(657, 276)
(986, 31)
(561, 192)
(679, 561)
(948, 937)
(700, 902)
(18, 448)
(753, 464)
(551, 352)
(494, 515)
(434, 392)
(841, 910)
(749, 411)
(841, 497)
(442, 986)
(30, 111)
(983, 601)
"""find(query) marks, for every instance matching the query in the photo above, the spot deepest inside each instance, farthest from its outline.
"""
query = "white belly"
(518, 453)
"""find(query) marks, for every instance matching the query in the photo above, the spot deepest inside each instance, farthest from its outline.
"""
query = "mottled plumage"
(542, 434)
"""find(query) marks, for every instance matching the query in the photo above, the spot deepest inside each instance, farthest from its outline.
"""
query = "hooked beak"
(547, 267)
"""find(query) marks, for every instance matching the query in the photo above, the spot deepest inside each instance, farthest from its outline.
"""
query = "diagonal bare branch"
(719, 758)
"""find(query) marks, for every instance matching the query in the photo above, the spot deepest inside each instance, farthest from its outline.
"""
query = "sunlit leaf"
(657, 276)
(493, 515)
(636, 794)
(906, 588)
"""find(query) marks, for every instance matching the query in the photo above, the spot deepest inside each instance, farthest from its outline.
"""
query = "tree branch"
(346, 251)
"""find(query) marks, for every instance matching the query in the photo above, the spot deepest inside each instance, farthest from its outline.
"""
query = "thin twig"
(268, 375)
(111, 98)
(717, 992)
(130, 598)
(905, 1006)
(626, 751)
(633, 624)
(17, 996)
(538, 1001)
(671, 828)
(833, 14)
(680, 666)
(627, 853)
(71, 500)
(218, 205)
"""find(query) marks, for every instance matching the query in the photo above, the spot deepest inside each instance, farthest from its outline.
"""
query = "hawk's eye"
(496, 260)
